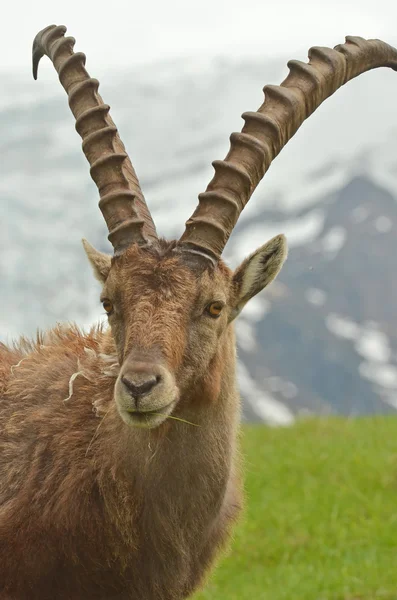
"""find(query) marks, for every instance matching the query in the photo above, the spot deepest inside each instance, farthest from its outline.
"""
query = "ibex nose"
(140, 385)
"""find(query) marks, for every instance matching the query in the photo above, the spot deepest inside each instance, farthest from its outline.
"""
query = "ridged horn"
(121, 200)
(268, 130)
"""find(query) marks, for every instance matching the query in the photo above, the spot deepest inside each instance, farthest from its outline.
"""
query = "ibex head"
(169, 311)
(170, 305)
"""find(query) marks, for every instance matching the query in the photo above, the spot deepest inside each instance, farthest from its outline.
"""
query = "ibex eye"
(108, 306)
(214, 309)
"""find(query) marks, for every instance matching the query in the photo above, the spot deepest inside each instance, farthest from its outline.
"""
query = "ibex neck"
(203, 427)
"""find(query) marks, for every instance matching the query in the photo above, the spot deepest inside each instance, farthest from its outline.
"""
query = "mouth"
(147, 419)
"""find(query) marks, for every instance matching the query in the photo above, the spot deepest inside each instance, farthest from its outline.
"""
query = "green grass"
(321, 514)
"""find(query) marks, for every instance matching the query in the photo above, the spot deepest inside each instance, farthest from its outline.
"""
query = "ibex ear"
(100, 262)
(257, 271)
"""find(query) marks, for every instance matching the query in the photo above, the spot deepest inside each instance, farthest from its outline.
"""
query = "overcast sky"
(125, 32)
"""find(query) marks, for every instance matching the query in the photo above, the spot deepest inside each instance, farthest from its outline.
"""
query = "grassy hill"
(321, 514)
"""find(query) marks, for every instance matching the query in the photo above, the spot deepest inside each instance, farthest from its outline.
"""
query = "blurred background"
(323, 338)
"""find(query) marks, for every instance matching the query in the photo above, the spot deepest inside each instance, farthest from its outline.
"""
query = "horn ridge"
(111, 168)
(268, 130)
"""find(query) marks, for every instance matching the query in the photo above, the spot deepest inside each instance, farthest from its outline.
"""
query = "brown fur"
(91, 508)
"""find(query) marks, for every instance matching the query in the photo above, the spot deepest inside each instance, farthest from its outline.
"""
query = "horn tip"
(37, 50)
(35, 66)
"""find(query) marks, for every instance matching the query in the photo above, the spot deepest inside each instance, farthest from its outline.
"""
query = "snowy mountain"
(323, 337)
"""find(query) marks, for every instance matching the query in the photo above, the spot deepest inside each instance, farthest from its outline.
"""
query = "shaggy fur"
(91, 508)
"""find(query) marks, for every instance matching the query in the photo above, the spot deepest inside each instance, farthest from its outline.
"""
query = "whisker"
(177, 419)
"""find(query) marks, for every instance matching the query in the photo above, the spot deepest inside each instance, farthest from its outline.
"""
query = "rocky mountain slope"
(323, 337)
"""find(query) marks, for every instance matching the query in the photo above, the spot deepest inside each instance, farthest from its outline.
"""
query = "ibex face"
(169, 314)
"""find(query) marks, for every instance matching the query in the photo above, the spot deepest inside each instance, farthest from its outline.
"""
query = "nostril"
(140, 388)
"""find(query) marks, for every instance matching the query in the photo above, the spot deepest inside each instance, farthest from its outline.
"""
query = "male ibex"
(137, 504)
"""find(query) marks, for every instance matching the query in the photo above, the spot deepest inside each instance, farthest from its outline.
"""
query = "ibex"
(119, 468)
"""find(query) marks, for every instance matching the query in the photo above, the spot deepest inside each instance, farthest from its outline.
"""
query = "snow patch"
(297, 231)
(369, 341)
(373, 345)
(285, 388)
(263, 404)
(383, 224)
(359, 214)
(342, 327)
(245, 335)
(316, 296)
(384, 375)
(390, 398)
(256, 309)
(334, 241)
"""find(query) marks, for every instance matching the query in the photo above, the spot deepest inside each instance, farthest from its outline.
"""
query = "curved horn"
(121, 200)
(268, 130)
